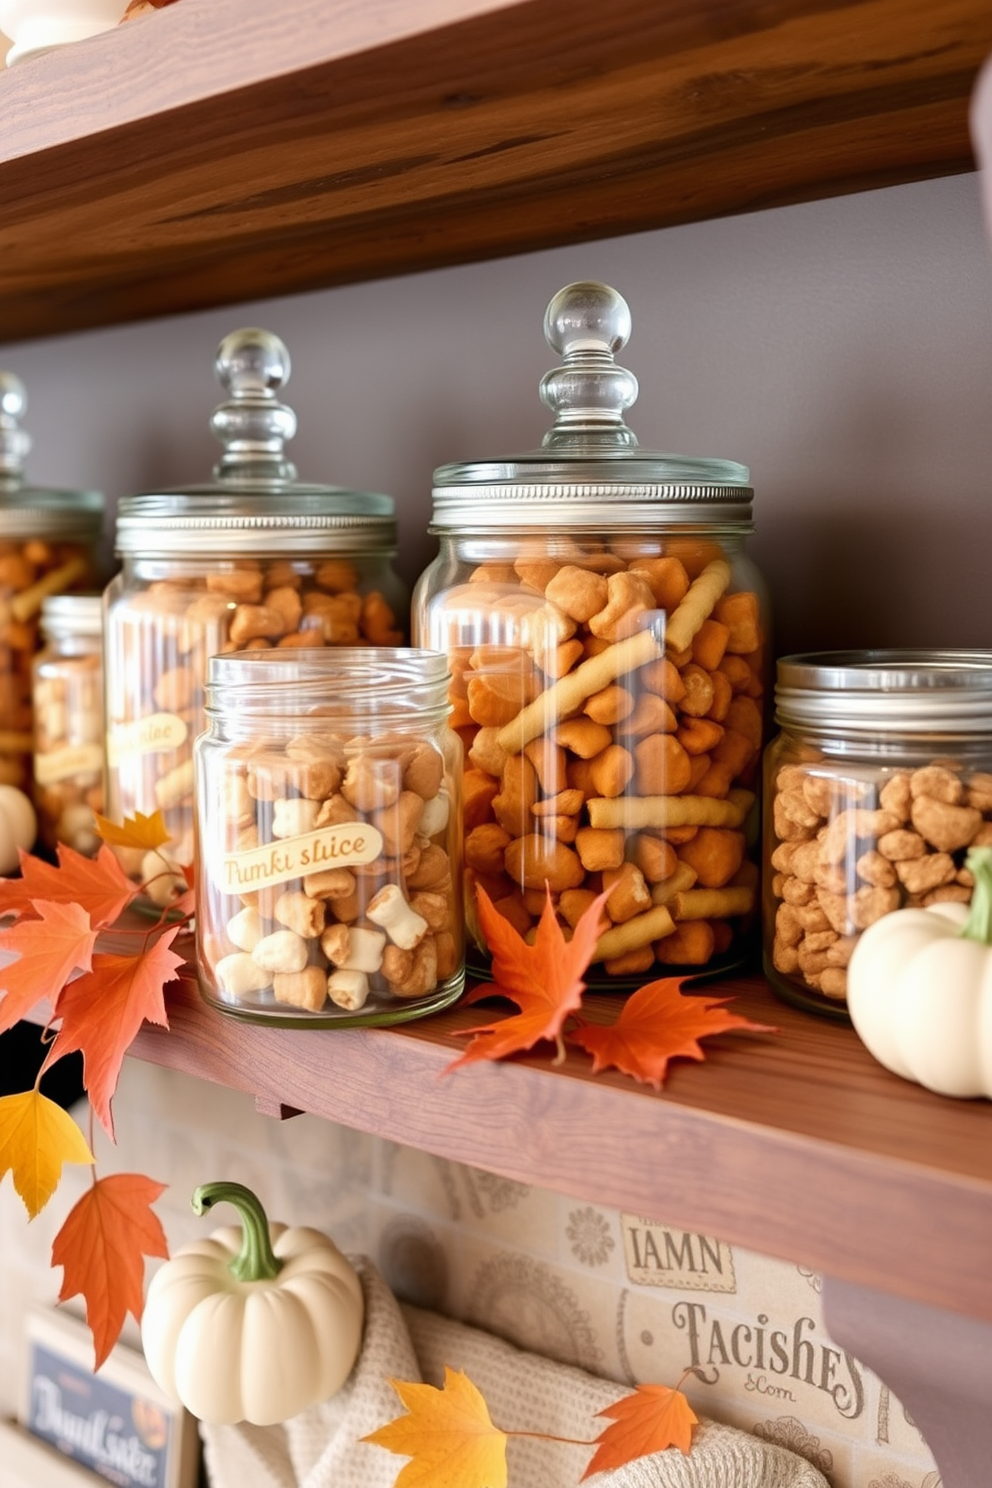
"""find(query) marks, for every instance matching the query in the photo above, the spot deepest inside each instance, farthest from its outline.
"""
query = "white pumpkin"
(18, 826)
(919, 990)
(253, 1323)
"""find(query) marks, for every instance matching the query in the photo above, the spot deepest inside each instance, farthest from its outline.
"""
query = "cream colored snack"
(384, 926)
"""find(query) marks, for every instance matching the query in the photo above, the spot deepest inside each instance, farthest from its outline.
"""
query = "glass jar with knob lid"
(48, 545)
(254, 560)
(329, 837)
(608, 640)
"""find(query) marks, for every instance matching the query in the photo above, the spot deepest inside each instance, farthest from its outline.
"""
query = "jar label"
(157, 734)
(295, 857)
(63, 764)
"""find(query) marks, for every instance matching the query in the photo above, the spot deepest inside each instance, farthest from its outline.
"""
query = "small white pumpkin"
(18, 826)
(919, 990)
(253, 1323)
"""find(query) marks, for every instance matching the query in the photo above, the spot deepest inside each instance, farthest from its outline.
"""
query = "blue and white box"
(117, 1423)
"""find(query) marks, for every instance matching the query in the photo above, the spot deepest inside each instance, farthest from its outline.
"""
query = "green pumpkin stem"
(256, 1260)
(978, 925)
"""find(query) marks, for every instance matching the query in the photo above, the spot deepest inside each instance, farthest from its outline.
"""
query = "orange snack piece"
(666, 577)
(716, 853)
(662, 767)
(692, 944)
(709, 643)
(739, 613)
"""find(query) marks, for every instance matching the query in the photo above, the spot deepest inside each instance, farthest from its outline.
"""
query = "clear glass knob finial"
(253, 426)
(15, 442)
(587, 324)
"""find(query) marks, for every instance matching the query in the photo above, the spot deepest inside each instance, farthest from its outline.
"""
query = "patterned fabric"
(321, 1447)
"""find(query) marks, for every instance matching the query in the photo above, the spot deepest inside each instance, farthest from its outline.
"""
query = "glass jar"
(876, 787)
(48, 545)
(328, 813)
(67, 692)
(256, 561)
(608, 641)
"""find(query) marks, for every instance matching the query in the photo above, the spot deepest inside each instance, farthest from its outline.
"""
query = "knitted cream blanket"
(321, 1447)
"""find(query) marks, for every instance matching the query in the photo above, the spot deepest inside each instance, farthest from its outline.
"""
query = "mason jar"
(875, 789)
(69, 733)
(255, 560)
(608, 642)
(48, 545)
(328, 815)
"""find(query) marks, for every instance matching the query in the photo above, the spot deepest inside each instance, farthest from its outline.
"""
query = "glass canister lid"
(590, 467)
(255, 503)
(937, 694)
(28, 511)
(72, 617)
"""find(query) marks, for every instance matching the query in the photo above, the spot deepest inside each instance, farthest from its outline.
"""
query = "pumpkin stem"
(256, 1260)
(978, 925)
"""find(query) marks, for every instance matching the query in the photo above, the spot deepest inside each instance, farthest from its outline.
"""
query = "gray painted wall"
(842, 349)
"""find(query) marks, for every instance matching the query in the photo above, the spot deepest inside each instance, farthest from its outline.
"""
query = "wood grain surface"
(796, 1144)
(224, 149)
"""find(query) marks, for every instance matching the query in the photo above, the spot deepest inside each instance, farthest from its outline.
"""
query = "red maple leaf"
(651, 1420)
(97, 885)
(102, 1246)
(48, 951)
(545, 979)
(658, 1023)
(186, 903)
(102, 1011)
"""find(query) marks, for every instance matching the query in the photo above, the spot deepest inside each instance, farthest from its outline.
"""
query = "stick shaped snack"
(567, 695)
(698, 605)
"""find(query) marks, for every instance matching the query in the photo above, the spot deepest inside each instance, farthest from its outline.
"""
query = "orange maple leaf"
(651, 1420)
(102, 1246)
(102, 1011)
(97, 885)
(448, 1436)
(545, 979)
(147, 832)
(48, 951)
(658, 1023)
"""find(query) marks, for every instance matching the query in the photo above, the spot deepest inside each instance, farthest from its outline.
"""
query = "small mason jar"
(254, 561)
(48, 545)
(875, 789)
(69, 735)
(608, 642)
(328, 825)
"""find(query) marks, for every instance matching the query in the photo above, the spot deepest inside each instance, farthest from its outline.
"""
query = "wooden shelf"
(220, 150)
(796, 1144)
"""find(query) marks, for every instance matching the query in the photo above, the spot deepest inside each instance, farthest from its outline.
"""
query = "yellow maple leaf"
(147, 832)
(448, 1436)
(36, 1138)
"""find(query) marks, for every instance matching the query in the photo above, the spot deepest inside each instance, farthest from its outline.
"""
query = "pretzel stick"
(670, 811)
(28, 602)
(698, 605)
(712, 904)
(568, 694)
(653, 924)
(677, 882)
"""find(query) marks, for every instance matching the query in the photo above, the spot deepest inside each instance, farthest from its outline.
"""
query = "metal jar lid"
(255, 505)
(940, 694)
(37, 511)
(590, 469)
(72, 617)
